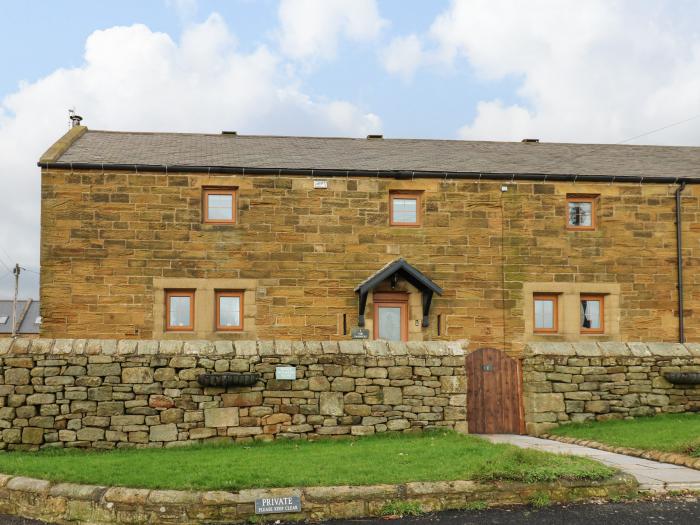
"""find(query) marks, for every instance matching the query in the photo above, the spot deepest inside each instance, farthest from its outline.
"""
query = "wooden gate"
(494, 393)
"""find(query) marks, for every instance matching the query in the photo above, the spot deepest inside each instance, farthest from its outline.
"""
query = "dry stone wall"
(120, 393)
(576, 382)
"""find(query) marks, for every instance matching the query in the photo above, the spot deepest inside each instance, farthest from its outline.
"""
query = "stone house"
(231, 237)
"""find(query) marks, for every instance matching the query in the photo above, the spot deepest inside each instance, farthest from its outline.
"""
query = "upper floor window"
(546, 313)
(404, 208)
(580, 213)
(219, 205)
(592, 314)
(229, 310)
(179, 310)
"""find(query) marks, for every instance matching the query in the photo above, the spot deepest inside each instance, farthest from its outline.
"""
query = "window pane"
(544, 314)
(229, 311)
(405, 210)
(220, 207)
(580, 214)
(590, 314)
(389, 323)
(179, 311)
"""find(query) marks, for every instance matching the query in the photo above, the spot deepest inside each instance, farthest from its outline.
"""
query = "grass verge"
(387, 458)
(678, 433)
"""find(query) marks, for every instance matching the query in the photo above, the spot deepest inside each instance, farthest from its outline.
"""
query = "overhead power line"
(7, 267)
(659, 129)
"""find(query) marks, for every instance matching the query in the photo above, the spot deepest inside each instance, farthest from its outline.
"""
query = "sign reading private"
(278, 505)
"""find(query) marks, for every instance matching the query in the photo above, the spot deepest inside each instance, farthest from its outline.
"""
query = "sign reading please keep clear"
(278, 505)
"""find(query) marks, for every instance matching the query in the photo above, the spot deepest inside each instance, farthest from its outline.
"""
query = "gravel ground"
(676, 511)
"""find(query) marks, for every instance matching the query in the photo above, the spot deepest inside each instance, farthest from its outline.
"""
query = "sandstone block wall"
(120, 393)
(597, 381)
(108, 236)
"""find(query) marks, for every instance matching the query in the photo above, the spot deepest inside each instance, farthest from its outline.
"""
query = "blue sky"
(558, 70)
(431, 105)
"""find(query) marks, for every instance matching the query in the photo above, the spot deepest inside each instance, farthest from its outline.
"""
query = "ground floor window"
(545, 313)
(179, 310)
(229, 310)
(592, 314)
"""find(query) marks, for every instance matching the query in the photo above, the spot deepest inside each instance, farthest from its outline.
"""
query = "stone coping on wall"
(682, 460)
(69, 503)
(374, 348)
(613, 349)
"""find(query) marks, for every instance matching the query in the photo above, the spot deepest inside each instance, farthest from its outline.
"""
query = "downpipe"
(679, 257)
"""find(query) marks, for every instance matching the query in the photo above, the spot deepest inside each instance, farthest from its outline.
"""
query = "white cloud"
(311, 29)
(185, 9)
(137, 79)
(585, 71)
(404, 55)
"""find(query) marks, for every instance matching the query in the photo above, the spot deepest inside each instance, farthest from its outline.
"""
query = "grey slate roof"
(27, 323)
(236, 151)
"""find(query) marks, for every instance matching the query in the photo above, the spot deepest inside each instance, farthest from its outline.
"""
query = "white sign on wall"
(286, 372)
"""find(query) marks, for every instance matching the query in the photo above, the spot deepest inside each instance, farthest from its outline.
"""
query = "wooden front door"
(494, 393)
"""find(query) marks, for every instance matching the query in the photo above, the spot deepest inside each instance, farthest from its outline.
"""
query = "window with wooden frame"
(219, 205)
(391, 316)
(545, 313)
(229, 310)
(405, 208)
(179, 310)
(592, 314)
(581, 212)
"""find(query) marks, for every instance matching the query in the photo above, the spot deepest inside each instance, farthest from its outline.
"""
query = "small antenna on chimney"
(74, 118)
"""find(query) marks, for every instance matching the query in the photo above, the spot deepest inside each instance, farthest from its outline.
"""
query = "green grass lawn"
(678, 433)
(384, 458)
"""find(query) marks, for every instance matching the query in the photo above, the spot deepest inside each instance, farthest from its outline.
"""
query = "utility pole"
(16, 271)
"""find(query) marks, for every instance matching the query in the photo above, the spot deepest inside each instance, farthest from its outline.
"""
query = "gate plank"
(493, 395)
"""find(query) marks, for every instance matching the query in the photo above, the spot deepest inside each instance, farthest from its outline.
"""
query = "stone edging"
(68, 503)
(612, 349)
(655, 455)
(202, 348)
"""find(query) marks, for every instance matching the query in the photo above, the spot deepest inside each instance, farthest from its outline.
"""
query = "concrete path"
(652, 475)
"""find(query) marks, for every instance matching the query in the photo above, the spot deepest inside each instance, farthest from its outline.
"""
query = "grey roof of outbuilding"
(236, 151)
(28, 324)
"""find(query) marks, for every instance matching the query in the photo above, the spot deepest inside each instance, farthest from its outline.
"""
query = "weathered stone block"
(319, 384)
(400, 372)
(163, 432)
(343, 384)
(597, 407)
(32, 435)
(331, 403)
(242, 399)
(221, 417)
(538, 403)
(137, 375)
(16, 376)
(90, 434)
(104, 369)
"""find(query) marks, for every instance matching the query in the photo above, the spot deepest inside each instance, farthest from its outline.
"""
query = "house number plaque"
(359, 333)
